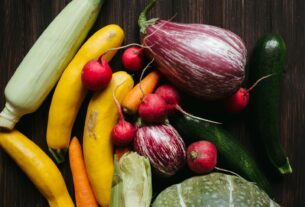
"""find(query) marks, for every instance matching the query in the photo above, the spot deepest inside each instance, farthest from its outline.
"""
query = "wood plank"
(21, 23)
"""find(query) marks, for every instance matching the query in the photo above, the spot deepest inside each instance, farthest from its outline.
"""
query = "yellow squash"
(41, 170)
(69, 93)
(102, 115)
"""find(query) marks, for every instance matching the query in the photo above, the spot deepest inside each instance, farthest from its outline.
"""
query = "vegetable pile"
(134, 133)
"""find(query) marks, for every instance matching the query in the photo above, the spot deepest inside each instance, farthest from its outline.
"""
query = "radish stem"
(118, 105)
(141, 77)
(195, 117)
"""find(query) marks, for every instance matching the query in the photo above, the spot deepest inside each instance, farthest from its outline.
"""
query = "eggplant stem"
(158, 29)
(142, 21)
(141, 77)
(179, 108)
(257, 82)
(58, 155)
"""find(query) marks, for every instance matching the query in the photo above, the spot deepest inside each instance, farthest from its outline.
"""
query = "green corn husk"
(131, 186)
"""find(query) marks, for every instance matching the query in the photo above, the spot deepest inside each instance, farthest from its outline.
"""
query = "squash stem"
(58, 155)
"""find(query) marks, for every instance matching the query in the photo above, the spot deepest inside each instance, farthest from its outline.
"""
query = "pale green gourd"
(44, 63)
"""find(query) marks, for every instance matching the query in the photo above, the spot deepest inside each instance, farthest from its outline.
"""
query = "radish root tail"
(126, 46)
(258, 81)
(195, 117)
(228, 171)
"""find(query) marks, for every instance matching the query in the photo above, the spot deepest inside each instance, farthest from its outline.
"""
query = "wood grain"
(21, 23)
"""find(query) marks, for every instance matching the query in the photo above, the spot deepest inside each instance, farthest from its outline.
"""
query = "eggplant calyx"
(142, 21)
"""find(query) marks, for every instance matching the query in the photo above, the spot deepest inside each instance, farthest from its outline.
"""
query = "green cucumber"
(230, 151)
(268, 58)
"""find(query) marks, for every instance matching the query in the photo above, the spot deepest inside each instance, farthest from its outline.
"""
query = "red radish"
(96, 74)
(123, 132)
(170, 96)
(239, 100)
(202, 157)
(153, 109)
(132, 59)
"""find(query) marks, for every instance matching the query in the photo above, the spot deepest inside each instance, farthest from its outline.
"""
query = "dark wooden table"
(21, 22)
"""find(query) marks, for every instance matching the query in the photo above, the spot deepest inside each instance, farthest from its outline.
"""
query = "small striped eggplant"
(163, 146)
(205, 61)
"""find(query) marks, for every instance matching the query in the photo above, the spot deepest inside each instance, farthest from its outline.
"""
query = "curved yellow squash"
(102, 115)
(69, 93)
(40, 169)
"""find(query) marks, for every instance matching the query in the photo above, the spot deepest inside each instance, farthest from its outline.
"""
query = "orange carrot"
(84, 195)
(134, 97)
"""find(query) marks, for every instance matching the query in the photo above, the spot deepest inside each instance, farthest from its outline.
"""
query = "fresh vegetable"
(70, 93)
(39, 168)
(132, 59)
(96, 74)
(153, 109)
(132, 184)
(133, 99)
(83, 192)
(230, 151)
(201, 156)
(170, 95)
(239, 100)
(215, 189)
(122, 133)
(205, 61)
(163, 146)
(42, 66)
(102, 116)
(269, 58)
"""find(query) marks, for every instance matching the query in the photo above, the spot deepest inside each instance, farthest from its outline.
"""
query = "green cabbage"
(131, 185)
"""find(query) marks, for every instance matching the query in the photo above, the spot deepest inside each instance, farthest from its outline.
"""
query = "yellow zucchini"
(69, 93)
(40, 169)
(42, 66)
(102, 115)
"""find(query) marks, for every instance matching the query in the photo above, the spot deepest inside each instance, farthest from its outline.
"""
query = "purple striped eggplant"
(205, 61)
(163, 146)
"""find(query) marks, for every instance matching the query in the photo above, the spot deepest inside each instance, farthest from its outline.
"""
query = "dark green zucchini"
(268, 58)
(230, 151)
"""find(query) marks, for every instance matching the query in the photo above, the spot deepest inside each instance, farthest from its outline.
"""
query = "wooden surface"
(21, 22)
